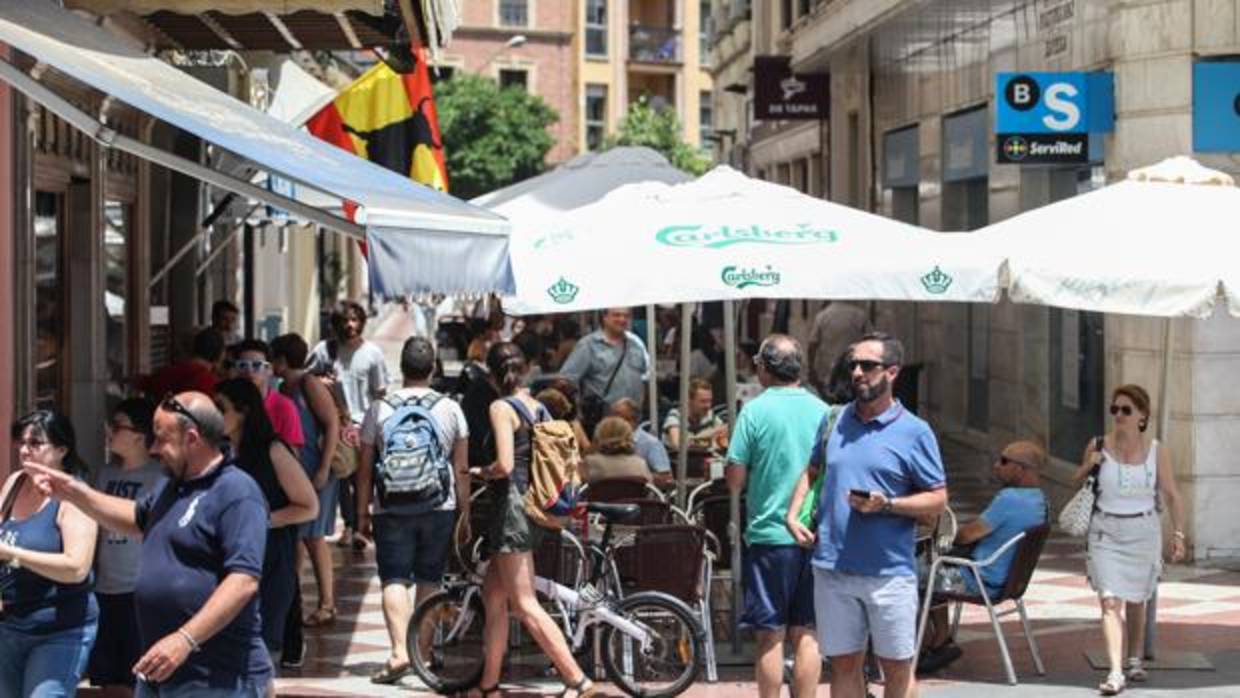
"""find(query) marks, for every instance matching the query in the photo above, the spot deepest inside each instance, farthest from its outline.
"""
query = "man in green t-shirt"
(770, 446)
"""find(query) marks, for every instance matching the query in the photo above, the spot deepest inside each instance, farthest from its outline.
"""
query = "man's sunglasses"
(1125, 409)
(865, 365)
(170, 403)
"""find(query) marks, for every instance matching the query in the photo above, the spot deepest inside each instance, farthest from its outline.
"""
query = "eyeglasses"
(250, 365)
(32, 444)
(865, 365)
(171, 404)
(120, 426)
(1125, 409)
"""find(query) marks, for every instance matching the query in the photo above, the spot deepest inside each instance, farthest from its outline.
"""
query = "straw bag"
(1075, 517)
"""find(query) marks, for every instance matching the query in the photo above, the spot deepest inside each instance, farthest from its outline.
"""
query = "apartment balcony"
(655, 45)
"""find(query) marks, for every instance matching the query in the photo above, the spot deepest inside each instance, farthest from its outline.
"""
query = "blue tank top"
(32, 601)
(311, 450)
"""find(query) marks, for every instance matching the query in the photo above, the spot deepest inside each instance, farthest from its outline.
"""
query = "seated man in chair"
(1019, 505)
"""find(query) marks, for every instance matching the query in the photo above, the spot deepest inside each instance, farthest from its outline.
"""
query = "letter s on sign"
(1065, 114)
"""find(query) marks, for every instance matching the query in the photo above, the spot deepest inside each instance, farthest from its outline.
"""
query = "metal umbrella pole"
(682, 455)
(734, 506)
(1164, 423)
(652, 373)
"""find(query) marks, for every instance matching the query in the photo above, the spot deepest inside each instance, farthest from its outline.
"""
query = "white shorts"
(853, 608)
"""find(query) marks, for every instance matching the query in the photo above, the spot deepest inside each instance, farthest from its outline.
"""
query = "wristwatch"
(887, 505)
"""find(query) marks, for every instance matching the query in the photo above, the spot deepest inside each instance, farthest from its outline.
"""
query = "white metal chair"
(1029, 544)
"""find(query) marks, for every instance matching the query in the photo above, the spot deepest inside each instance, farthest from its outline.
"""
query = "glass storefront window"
(49, 300)
(116, 267)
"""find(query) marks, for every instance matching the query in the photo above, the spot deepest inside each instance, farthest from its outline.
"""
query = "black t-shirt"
(194, 534)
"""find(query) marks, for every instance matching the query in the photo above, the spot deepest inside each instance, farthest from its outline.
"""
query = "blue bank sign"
(1047, 118)
(1216, 107)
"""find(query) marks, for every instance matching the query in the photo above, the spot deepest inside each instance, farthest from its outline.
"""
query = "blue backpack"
(413, 471)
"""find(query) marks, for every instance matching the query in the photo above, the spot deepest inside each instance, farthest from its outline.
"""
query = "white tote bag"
(1074, 519)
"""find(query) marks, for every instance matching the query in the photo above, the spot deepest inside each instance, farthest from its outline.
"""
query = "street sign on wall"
(781, 94)
(1047, 118)
(1216, 107)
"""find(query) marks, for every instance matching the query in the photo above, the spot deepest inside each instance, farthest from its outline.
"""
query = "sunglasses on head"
(170, 403)
(1126, 410)
(1004, 460)
(865, 365)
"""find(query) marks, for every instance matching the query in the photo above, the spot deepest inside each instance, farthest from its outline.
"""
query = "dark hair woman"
(290, 497)
(321, 427)
(1124, 545)
(510, 539)
(48, 615)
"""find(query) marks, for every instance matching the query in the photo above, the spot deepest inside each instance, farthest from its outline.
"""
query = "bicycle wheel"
(670, 663)
(445, 641)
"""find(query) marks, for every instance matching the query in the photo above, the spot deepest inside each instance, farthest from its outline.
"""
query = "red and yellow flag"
(389, 118)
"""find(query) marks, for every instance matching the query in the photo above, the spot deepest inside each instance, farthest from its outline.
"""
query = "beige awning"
(232, 7)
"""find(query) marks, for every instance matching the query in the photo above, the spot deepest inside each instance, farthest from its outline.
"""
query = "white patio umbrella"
(534, 205)
(1154, 244)
(727, 236)
(1148, 245)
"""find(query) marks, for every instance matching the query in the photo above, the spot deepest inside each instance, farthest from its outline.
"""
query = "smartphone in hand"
(863, 494)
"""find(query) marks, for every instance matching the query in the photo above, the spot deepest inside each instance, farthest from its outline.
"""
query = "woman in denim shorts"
(511, 537)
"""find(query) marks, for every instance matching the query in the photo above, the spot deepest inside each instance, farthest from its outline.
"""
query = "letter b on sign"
(1023, 93)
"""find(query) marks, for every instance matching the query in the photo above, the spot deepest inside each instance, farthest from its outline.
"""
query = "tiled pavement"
(1199, 611)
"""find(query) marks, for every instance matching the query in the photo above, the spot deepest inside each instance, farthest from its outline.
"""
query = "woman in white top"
(1124, 545)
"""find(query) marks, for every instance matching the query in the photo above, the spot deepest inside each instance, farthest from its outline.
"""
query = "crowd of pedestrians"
(243, 437)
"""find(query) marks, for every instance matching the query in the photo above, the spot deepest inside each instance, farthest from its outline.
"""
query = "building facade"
(911, 135)
(528, 44)
(657, 50)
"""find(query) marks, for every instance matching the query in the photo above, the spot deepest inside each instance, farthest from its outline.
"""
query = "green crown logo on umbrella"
(563, 291)
(937, 281)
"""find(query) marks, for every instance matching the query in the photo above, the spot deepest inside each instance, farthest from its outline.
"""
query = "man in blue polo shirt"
(769, 448)
(884, 472)
(196, 598)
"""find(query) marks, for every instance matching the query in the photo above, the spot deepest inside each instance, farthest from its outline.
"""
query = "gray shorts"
(853, 608)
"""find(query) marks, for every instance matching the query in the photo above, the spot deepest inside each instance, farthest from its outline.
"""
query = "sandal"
(322, 616)
(1113, 686)
(390, 674)
(584, 688)
(1134, 670)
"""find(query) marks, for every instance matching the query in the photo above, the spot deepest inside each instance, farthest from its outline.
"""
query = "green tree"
(658, 129)
(492, 137)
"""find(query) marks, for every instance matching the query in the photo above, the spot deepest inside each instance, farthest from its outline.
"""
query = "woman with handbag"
(1124, 542)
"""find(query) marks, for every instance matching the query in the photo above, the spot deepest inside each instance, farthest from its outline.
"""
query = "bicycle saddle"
(614, 513)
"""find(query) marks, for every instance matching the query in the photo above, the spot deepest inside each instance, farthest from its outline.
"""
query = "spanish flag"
(388, 118)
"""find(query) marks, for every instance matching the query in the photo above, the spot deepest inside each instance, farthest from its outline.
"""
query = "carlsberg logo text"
(727, 235)
(744, 278)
